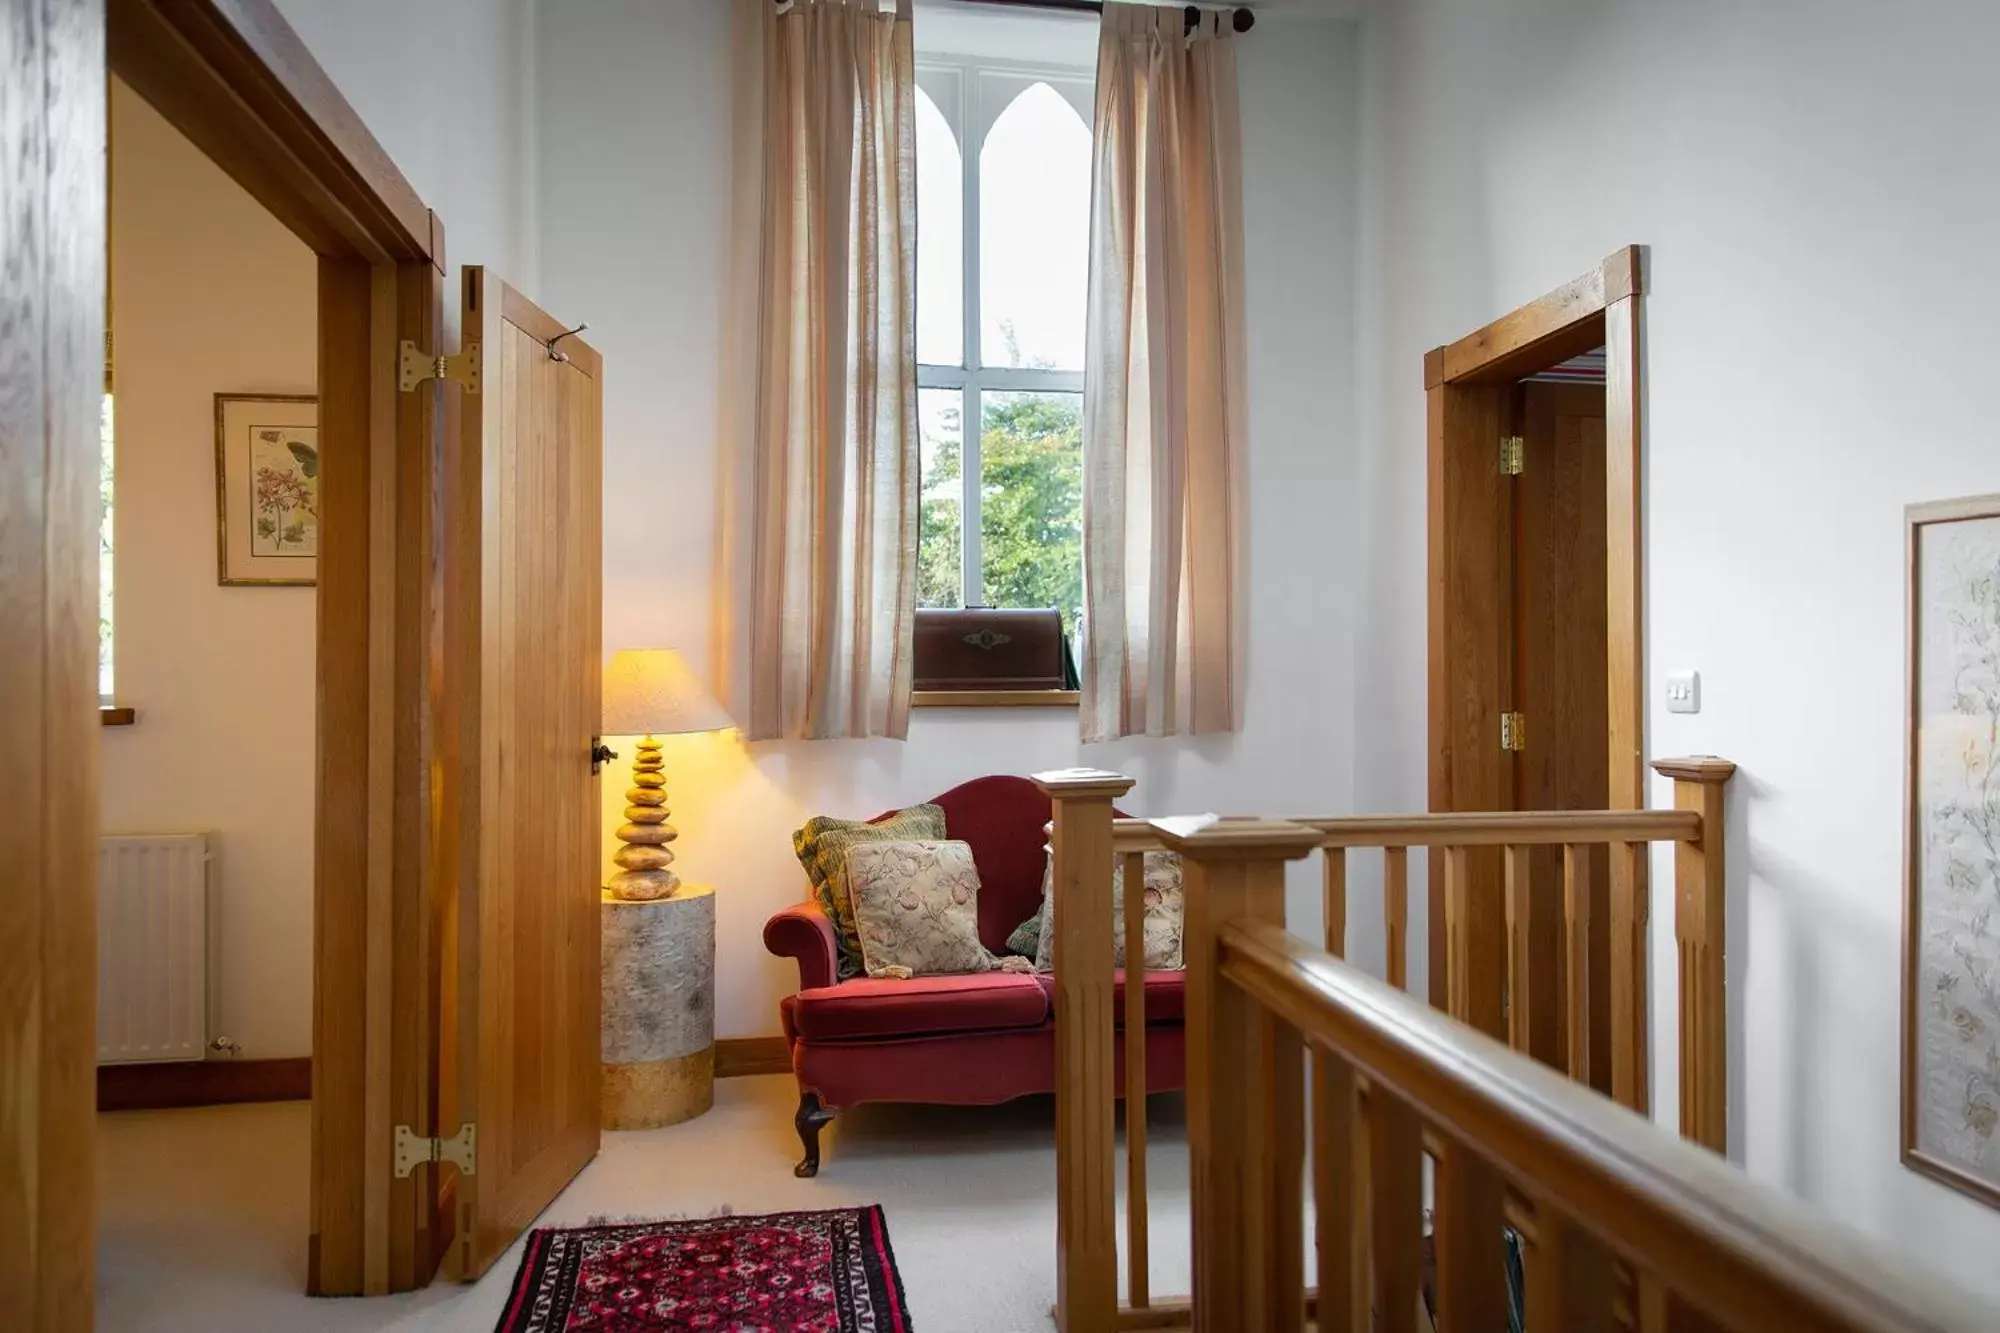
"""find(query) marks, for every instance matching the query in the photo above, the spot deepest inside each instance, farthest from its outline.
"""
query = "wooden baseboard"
(152, 1087)
(735, 1056)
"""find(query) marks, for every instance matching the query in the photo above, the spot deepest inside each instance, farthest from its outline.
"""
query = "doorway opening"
(207, 668)
(1534, 637)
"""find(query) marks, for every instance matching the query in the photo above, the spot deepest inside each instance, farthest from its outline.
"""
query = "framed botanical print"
(1951, 922)
(266, 489)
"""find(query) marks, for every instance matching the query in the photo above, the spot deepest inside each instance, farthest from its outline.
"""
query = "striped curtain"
(1163, 394)
(820, 448)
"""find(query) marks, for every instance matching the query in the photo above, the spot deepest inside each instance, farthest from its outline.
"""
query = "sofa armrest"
(804, 932)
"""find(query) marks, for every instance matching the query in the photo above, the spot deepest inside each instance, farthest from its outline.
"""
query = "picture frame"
(1951, 909)
(267, 490)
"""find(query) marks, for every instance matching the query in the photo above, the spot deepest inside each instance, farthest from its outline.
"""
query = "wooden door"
(1559, 679)
(52, 370)
(522, 669)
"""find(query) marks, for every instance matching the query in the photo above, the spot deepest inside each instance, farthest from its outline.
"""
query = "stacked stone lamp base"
(659, 970)
(643, 860)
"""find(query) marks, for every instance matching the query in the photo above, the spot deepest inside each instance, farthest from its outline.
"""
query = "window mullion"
(968, 466)
(971, 116)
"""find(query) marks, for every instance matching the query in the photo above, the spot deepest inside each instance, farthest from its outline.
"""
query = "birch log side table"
(659, 1009)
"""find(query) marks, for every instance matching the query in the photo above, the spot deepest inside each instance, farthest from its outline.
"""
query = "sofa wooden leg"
(812, 1115)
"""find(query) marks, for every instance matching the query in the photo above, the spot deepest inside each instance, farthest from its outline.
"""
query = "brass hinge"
(461, 369)
(413, 1150)
(1513, 456)
(1513, 731)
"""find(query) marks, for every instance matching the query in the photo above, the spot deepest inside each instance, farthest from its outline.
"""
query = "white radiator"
(153, 934)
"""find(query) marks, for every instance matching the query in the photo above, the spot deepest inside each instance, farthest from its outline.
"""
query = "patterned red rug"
(817, 1272)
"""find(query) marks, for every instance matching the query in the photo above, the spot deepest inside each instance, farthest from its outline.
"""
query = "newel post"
(1700, 917)
(1086, 1098)
(1245, 1085)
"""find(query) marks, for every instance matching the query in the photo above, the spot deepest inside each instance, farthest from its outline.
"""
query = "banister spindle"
(1086, 1141)
(1396, 914)
(1474, 950)
(1471, 1245)
(1520, 948)
(1630, 977)
(1571, 1285)
(1700, 930)
(1576, 960)
(1334, 899)
(1396, 1210)
(1339, 1194)
(1245, 1085)
(1137, 1250)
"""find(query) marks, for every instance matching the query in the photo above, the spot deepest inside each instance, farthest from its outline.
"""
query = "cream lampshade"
(651, 692)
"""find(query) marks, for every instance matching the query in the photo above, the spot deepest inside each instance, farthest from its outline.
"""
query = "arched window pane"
(940, 240)
(1034, 234)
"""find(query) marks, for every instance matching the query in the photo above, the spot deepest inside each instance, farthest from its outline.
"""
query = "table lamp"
(650, 692)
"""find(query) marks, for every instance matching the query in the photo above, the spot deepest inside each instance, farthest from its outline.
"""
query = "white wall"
(1814, 181)
(210, 295)
(634, 167)
(448, 88)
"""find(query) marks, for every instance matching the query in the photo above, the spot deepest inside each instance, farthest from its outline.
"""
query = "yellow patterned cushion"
(917, 907)
(1166, 912)
(822, 847)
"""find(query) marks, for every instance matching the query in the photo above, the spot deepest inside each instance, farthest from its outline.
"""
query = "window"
(1003, 242)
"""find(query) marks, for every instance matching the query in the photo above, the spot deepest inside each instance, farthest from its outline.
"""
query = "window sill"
(117, 717)
(995, 698)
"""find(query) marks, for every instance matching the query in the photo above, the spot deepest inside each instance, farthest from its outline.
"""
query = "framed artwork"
(1951, 920)
(266, 489)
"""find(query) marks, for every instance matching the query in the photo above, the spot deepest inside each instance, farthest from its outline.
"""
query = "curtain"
(819, 514)
(1163, 397)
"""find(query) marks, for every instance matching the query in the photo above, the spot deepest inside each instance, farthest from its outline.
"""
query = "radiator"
(153, 936)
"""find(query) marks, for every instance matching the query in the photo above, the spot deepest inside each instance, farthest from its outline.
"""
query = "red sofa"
(960, 1040)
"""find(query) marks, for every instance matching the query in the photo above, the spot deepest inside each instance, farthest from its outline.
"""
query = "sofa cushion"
(1166, 910)
(1166, 996)
(822, 849)
(866, 1008)
(916, 906)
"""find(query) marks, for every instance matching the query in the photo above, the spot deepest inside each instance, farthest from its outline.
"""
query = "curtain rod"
(1242, 20)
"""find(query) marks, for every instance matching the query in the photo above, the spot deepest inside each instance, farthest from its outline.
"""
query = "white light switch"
(1684, 692)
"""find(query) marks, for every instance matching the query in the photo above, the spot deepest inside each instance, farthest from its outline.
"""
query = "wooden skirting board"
(152, 1087)
(735, 1056)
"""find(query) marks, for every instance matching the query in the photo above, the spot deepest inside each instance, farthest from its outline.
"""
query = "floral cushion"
(822, 847)
(1166, 911)
(917, 907)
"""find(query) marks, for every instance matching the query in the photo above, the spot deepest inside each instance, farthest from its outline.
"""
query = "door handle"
(600, 755)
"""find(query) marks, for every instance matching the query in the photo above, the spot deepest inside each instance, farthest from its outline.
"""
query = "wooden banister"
(1245, 1083)
(1086, 1098)
(1499, 828)
(1372, 1126)
(1702, 1238)
(1700, 787)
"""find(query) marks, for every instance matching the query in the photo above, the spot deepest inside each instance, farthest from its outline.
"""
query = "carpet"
(827, 1271)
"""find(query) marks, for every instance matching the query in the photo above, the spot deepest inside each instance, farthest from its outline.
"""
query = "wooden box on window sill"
(985, 648)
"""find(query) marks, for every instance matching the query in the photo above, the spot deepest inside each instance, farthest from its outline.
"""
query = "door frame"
(1470, 641)
(237, 81)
